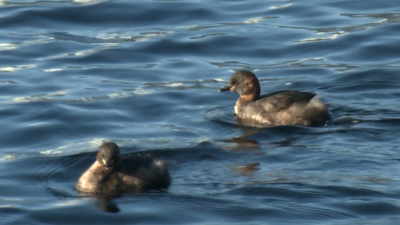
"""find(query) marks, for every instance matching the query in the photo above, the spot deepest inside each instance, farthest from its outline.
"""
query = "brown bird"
(112, 174)
(278, 108)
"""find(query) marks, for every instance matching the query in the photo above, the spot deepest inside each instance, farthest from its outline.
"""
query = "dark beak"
(227, 88)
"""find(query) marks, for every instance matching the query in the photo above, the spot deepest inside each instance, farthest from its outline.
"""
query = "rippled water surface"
(145, 74)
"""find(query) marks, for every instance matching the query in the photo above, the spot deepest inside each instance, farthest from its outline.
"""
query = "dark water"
(145, 74)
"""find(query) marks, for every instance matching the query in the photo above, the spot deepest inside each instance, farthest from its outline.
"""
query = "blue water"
(145, 74)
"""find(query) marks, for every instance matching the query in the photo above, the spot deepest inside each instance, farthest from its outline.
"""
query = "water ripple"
(145, 75)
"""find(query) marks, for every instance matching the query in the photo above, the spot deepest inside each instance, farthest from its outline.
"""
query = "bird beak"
(104, 162)
(227, 87)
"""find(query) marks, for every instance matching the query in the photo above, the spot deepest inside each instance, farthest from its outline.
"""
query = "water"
(145, 74)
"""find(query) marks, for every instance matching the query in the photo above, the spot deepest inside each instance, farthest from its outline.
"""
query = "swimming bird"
(114, 175)
(277, 108)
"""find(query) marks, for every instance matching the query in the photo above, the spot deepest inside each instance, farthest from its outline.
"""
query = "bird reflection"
(242, 142)
(106, 204)
(247, 168)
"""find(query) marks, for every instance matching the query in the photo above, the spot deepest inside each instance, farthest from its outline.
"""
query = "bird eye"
(108, 163)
